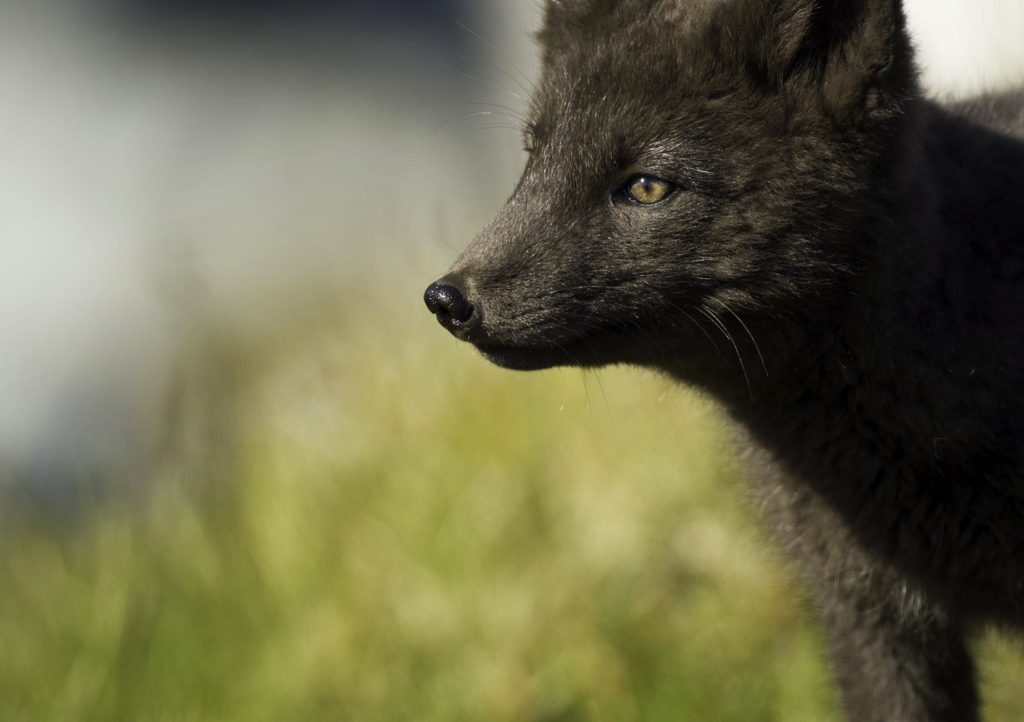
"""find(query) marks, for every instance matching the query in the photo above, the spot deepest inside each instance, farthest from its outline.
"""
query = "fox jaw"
(700, 174)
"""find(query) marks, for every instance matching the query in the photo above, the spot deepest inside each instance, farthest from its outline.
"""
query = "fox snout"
(511, 344)
(453, 310)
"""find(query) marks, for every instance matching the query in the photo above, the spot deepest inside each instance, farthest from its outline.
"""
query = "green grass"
(387, 528)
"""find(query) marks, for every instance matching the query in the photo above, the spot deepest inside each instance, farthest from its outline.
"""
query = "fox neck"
(901, 393)
(882, 343)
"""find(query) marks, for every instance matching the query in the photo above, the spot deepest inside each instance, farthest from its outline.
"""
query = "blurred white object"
(165, 195)
(968, 46)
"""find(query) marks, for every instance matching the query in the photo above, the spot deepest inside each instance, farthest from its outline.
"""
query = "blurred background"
(243, 474)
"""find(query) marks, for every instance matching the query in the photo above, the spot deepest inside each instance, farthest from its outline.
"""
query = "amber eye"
(647, 190)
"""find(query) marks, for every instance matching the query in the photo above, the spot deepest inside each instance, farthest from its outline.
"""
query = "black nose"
(443, 298)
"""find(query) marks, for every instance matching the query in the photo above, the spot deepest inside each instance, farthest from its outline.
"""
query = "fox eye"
(647, 190)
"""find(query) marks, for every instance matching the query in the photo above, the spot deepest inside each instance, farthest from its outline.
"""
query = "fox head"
(700, 172)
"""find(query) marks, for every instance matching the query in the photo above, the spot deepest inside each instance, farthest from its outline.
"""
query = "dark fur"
(842, 267)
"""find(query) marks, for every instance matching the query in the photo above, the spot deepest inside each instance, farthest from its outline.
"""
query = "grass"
(387, 528)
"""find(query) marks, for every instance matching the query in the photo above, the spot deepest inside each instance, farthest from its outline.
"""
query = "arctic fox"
(755, 197)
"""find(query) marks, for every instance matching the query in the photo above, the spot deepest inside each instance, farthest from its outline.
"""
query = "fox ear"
(857, 52)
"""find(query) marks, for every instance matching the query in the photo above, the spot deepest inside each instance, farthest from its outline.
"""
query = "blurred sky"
(184, 174)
